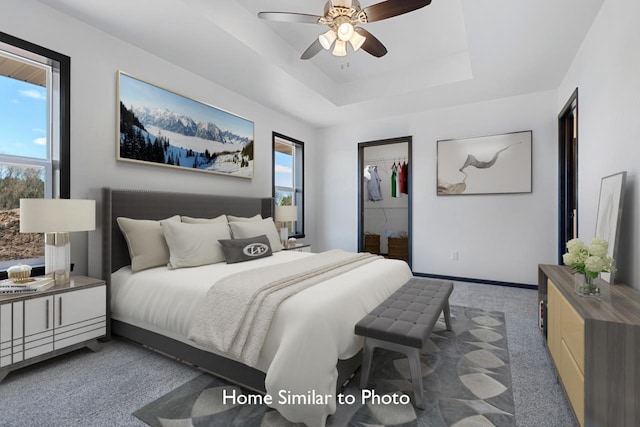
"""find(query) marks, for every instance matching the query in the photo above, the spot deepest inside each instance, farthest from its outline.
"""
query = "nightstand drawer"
(80, 305)
(38, 315)
(80, 329)
(84, 334)
(298, 247)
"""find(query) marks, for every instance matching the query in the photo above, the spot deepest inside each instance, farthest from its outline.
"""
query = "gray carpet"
(105, 388)
(466, 378)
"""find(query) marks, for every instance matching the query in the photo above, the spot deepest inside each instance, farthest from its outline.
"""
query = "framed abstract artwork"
(495, 164)
(610, 215)
(159, 127)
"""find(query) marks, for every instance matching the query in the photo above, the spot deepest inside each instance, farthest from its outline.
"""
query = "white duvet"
(309, 332)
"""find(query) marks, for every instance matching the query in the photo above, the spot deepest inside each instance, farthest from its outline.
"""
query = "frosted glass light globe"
(345, 31)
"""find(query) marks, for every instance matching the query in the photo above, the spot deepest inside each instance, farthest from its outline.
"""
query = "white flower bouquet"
(589, 261)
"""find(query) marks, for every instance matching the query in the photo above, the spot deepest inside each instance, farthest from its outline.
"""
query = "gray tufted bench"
(403, 323)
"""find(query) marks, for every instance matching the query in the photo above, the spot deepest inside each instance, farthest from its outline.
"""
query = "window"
(34, 140)
(288, 178)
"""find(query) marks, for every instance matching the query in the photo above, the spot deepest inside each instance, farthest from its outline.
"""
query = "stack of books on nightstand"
(35, 284)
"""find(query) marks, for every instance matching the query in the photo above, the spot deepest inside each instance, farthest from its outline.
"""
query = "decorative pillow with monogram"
(240, 250)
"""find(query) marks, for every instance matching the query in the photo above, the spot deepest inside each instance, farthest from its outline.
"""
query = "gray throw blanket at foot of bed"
(235, 316)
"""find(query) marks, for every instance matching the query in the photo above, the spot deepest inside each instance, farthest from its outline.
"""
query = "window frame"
(275, 136)
(61, 66)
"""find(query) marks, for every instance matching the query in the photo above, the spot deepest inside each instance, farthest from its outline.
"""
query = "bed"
(151, 307)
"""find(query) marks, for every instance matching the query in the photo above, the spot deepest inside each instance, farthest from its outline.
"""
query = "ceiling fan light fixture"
(357, 41)
(327, 39)
(340, 49)
(341, 3)
(345, 31)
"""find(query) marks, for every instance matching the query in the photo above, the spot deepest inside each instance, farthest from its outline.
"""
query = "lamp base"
(284, 235)
(57, 257)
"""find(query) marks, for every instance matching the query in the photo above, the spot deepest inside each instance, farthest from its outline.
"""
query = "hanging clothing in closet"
(399, 179)
(373, 183)
(394, 181)
(404, 178)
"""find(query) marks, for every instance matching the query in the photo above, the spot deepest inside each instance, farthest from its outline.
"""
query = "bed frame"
(115, 254)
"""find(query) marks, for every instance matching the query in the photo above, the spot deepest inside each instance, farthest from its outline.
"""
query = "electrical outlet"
(454, 255)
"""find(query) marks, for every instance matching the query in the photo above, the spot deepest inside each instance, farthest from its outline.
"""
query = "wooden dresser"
(595, 347)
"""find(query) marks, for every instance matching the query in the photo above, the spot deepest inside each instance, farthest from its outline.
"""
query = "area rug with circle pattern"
(466, 375)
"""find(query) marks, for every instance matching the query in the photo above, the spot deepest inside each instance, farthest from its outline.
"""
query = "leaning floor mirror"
(610, 215)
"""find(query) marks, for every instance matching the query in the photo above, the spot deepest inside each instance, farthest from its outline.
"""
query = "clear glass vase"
(585, 286)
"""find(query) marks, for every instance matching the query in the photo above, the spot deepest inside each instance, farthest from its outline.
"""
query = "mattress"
(309, 332)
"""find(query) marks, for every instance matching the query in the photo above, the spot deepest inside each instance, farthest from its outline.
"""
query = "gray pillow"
(232, 218)
(191, 245)
(147, 246)
(189, 220)
(244, 230)
(240, 250)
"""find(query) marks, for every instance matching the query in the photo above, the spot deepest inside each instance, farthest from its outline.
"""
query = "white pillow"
(232, 218)
(246, 229)
(189, 220)
(147, 246)
(191, 245)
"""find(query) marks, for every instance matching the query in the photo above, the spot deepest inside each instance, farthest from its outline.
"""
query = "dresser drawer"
(554, 336)
(572, 332)
(573, 381)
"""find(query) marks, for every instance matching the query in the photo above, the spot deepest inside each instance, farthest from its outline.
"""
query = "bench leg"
(367, 355)
(447, 315)
(413, 354)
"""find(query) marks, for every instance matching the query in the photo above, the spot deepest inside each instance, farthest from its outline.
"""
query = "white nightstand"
(37, 326)
(298, 247)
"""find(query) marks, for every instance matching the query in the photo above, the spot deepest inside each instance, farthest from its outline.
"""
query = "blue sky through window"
(284, 170)
(23, 118)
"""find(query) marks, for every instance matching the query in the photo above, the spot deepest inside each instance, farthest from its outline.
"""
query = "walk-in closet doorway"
(384, 197)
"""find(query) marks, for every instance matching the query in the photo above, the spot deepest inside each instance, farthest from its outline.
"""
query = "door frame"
(567, 171)
(361, 147)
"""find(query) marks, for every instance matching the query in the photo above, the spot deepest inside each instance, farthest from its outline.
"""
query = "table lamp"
(56, 218)
(285, 215)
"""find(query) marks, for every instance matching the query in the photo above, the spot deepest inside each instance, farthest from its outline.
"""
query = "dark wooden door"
(568, 173)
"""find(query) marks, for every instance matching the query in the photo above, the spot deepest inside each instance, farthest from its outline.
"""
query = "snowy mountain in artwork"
(177, 123)
(162, 136)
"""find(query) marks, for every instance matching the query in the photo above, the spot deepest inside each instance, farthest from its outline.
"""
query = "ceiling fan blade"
(312, 50)
(391, 8)
(290, 17)
(372, 45)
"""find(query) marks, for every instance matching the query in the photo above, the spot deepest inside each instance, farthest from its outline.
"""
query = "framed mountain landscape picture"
(160, 127)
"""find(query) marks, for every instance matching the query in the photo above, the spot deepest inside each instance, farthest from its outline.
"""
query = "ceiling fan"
(342, 17)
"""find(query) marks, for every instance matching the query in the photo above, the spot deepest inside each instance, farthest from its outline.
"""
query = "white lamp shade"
(57, 215)
(340, 49)
(357, 41)
(286, 213)
(327, 39)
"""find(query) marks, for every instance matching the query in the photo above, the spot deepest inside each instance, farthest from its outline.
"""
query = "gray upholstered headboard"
(159, 205)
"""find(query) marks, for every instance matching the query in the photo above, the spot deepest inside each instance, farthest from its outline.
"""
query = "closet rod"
(387, 159)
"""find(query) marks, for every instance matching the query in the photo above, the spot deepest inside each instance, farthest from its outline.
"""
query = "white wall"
(606, 71)
(498, 237)
(95, 59)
